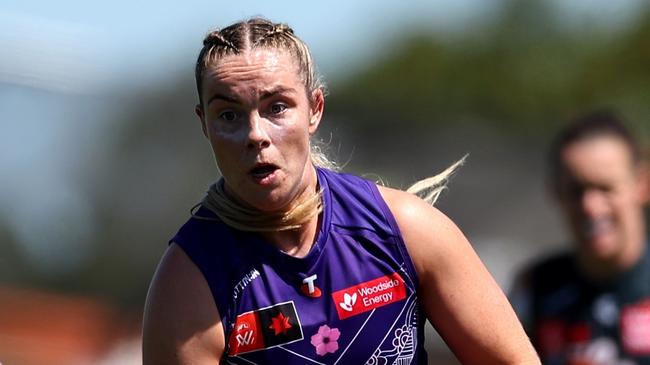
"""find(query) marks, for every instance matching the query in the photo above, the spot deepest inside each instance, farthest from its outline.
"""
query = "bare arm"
(181, 322)
(458, 294)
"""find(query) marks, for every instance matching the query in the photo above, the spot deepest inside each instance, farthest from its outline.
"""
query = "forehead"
(257, 68)
(599, 157)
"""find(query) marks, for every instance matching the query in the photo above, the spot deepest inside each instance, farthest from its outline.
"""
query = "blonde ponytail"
(430, 188)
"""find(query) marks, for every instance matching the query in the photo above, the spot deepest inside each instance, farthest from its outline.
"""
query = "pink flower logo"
(325, 340)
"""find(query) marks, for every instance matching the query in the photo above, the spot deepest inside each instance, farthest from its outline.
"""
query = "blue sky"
(108, 42)
(153, 37)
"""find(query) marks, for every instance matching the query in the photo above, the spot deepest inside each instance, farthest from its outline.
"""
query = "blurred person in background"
(591, 306)
(287, 261)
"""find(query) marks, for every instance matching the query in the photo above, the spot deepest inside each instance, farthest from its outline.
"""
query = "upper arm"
(181, 322)
(457, 293)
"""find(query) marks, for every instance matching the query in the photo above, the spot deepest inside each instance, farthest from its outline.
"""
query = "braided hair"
(257, 33)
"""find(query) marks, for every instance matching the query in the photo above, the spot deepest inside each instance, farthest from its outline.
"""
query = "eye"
(278, 108)
(228, 115)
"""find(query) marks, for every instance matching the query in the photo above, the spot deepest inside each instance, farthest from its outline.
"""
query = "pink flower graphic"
(325, 340)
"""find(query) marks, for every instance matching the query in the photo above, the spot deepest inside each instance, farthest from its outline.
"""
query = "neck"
(304, 207)
(297, 242)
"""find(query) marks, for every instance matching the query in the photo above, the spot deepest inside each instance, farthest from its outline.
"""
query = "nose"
(258, 136)
(593, 202)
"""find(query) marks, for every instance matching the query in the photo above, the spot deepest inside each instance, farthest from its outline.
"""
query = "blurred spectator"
(592, 306)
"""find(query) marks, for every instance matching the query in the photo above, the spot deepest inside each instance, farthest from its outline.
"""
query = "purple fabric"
(367, 311)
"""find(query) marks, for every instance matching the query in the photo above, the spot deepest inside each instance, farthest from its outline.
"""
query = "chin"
(602, 249)
(269, 203)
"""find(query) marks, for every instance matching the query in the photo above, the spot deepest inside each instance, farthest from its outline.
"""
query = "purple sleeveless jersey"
(351, 300)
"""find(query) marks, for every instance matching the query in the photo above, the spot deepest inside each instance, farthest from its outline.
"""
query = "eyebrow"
(265, 94)
(218, 96)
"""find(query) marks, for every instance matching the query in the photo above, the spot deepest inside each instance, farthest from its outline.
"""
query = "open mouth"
(263, 170)
(598, 227)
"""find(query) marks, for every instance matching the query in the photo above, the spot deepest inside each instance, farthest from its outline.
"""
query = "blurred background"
(101, 156)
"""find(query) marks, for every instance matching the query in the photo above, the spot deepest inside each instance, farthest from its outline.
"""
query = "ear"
(316, 110)
(198, 109)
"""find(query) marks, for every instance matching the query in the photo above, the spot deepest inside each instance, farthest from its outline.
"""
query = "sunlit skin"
(602, 192)
(258, 117)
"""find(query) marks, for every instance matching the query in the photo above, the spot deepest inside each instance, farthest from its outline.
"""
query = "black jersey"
(572, 320)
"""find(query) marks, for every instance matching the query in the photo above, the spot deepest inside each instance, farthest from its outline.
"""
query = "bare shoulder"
(427, 232)
(181, 322)
(410, 209)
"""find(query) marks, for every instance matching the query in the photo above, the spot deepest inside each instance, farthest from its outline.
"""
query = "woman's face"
(603, 192)
(258, 118)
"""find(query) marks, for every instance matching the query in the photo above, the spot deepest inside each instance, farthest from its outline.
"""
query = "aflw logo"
(264, 328)
(348, 301)
(245, 339)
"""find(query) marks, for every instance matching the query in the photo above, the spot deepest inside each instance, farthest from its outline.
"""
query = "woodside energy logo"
(369, 295)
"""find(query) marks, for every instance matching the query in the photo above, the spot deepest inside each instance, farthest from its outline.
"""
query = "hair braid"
(216, 38)
(258, 33)
(276, 30)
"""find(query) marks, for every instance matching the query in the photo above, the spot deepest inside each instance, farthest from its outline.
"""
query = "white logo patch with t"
(310, 283)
